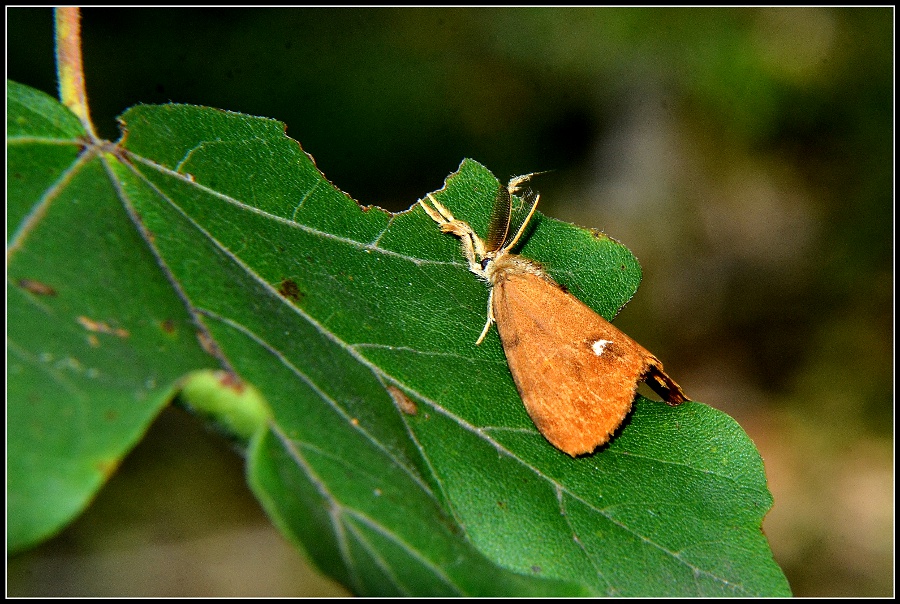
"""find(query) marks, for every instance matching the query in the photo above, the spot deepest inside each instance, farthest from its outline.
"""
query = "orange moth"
(576, 373)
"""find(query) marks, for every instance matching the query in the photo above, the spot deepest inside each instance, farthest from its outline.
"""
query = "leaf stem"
(69, 66)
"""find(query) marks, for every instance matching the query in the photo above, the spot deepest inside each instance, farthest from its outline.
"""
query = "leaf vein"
(688, 467)
(334, 508)
(37, 140)
(292, 223)
(414, 552)
(320, 393)
(429, 353)
(303, 200)
(39, 209)
(28, 357)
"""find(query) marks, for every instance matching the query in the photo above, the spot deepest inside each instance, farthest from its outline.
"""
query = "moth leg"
(473, 246)
(490, 318)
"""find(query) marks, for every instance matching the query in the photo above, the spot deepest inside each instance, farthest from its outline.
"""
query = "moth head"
(489, 266)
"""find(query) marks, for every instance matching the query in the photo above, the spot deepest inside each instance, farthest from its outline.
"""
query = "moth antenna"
(516, 182)
(525, 222)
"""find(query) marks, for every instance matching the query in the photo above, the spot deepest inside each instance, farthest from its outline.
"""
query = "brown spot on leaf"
(89, 324)
(231, 381)
(101, 327)
(36, 287)
(168, 325)
(289, 289)
(403, 402)
(207, 343)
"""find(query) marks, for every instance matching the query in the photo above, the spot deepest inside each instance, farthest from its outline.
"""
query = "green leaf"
(394, 450)
(97, 336)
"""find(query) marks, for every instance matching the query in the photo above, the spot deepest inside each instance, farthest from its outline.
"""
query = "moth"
(576, 373)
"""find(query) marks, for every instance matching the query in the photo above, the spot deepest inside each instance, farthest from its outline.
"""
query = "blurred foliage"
(759, 139)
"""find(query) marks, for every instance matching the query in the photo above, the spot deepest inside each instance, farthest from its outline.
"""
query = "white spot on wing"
(599, 346)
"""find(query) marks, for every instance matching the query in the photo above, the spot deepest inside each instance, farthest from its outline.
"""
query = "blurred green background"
(744, 155)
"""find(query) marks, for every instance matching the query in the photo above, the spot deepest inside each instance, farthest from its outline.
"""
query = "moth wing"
(576, 373)
(498, 225)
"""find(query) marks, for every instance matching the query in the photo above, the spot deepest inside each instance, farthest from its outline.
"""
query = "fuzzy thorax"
(495, 266)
